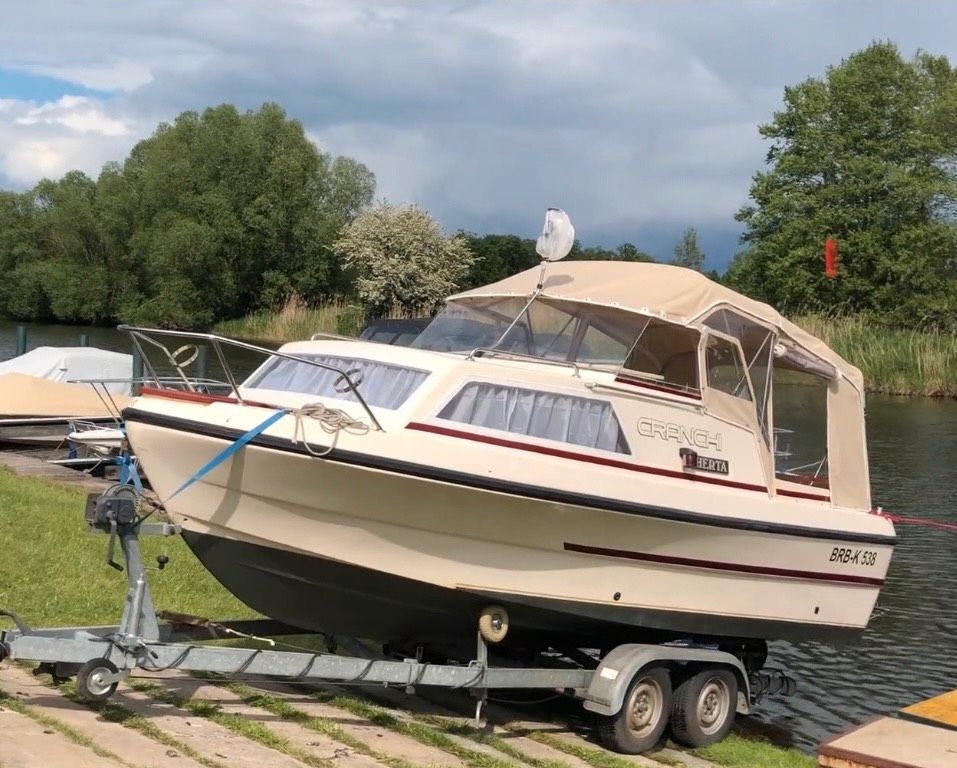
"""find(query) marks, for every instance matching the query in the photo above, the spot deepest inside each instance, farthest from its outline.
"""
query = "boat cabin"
(673, 332)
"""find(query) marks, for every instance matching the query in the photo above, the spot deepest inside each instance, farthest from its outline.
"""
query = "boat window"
(549, 415)
(757, 343)
(800, 426)
(551, 329)
(462, 327)
(380, 384)
(665, 355)
(726, 371)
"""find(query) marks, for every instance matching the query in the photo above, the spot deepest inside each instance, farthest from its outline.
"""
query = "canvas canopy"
(72, 364)
(23, 395)
(682, 294)
(685, 296)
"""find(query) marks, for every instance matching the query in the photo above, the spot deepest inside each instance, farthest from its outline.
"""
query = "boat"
(585, 451)
(48, 392)
(36, 412)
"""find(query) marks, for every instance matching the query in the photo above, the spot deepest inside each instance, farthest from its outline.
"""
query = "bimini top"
(682, 294)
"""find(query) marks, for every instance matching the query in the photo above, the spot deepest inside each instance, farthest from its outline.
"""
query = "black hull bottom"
(333, 597)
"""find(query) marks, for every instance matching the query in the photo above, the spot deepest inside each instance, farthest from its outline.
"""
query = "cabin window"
(800, 425)
(549, 415)
(549, 329)
(757, 343)
(380, 384)
(726, 371)
(665, 355)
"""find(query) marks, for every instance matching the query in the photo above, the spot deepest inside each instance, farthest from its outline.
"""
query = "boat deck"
(923, 735)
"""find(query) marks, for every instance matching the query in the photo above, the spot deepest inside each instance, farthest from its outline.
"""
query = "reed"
(295, 321)
(896, 362)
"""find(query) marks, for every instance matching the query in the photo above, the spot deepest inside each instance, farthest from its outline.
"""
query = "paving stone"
(24, 743)
(310, 741)
(133, 747)
(376, 737)
(204, 736)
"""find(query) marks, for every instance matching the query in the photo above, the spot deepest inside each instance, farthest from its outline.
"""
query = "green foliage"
(893, 361)
(400, 257)
(687, 252)
(865, 155)
(214, 215)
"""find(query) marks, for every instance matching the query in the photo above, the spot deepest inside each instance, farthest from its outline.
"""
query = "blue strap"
(128, 471)
(229, 451)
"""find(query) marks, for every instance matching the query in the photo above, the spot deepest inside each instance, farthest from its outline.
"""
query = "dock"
(923, 735)
(34, 466)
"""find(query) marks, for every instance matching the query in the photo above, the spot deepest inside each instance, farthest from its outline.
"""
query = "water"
(909, 651)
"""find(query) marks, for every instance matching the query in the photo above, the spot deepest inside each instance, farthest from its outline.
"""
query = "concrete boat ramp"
(923, 735)
(172, 721)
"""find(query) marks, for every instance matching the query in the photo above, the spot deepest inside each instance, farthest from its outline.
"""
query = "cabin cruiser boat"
(590, 447)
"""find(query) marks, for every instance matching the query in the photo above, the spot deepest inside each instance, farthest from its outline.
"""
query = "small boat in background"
(47, 391)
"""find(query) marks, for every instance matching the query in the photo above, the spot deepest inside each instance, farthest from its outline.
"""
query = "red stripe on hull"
(718, 566)
(601, 460)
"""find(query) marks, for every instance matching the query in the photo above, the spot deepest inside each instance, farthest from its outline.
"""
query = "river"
(909, 651)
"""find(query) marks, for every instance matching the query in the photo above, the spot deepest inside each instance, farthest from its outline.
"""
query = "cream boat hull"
(403, 537)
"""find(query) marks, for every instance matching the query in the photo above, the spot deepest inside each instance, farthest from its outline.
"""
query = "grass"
(738, 752)
(294, 321)
(895, 362)
(54, 572)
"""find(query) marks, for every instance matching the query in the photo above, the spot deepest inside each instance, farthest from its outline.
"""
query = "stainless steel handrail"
(141, 334)
(490, 352)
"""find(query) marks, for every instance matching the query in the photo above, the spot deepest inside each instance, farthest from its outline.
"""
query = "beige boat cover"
(23, 395)
(685, 296)
(682, 293)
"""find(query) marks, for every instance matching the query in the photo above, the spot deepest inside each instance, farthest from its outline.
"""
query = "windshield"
(587, 334)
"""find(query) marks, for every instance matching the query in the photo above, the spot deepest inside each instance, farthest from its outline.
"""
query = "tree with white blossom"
(402, 259)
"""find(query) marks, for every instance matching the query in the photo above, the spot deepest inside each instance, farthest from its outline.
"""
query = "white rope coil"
(331, 420)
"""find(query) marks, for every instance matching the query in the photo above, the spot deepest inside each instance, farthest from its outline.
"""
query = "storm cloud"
(640, 119)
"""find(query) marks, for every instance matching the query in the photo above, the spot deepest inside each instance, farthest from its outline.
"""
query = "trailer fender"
(606, 690)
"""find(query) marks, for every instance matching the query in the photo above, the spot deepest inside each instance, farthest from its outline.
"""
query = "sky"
(638, 118)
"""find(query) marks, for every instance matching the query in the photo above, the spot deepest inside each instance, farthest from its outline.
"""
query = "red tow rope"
(915, 521)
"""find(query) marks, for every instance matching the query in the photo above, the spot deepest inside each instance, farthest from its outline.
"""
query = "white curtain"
(550, 415)
(385, 386)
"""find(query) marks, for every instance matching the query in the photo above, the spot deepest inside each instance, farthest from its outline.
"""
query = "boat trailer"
(101, 657)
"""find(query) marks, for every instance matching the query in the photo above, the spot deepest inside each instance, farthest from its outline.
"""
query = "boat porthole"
(817, 610)
(617, 596)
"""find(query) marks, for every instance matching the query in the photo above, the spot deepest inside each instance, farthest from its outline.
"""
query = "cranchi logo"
(678, 433)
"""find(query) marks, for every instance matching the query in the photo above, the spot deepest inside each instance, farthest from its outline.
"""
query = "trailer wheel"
(493, 624)
(643, 717)
(90, 683)
(704, 707)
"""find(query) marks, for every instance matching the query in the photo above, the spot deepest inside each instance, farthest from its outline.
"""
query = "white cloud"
(47, 140)
(76, 113)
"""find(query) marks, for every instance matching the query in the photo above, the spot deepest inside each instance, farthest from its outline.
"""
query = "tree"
(401, 258)
(215, 215)
(866, 155)
(687, 252)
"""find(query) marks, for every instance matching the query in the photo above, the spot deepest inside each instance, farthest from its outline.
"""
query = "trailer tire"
(704, 707)
(90, 685)
(640, 723)
(493, 624)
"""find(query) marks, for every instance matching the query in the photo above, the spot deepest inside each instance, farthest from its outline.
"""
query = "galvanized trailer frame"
(101, 657)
